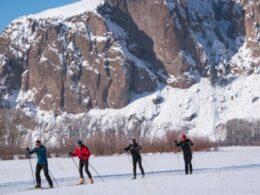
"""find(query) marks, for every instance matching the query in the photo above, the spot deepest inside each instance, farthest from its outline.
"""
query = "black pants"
(39, 167)
(188, 164)
(139, 161)
(83, 163)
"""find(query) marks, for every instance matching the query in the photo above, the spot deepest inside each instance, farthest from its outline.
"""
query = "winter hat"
(38, 141)
(183, 136)
(79, 142)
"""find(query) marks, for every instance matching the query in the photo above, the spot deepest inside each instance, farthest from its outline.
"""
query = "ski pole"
(53, 178)
(194, 162)
(177, 153)
(178, 159)
(31, 168)
(50, 173)
(75, 163)
(148, 165)
(128, 156)
(90, 166)
(96, 172)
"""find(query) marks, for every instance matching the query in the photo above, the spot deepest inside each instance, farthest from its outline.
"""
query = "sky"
(12, 9)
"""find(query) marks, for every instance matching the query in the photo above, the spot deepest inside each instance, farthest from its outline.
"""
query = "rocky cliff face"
(252, 26)
(70, 66)
(97, 58)
(192, 39)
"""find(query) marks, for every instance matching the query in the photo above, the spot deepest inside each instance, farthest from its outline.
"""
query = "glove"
(82, 156)
(176, 142)
(27, 151)
(69, 153)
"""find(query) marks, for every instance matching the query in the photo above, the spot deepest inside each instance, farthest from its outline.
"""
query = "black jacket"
(185, 146)
(134, 150)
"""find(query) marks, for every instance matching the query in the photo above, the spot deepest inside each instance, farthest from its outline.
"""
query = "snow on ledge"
(69, 10)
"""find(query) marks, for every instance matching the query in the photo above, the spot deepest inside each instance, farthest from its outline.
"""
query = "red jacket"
(83, 153)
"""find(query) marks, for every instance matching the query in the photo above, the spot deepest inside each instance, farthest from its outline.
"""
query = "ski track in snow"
(71, 181)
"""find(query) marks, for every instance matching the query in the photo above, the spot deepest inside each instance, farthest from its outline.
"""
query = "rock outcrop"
(98, 58)
(71, 66)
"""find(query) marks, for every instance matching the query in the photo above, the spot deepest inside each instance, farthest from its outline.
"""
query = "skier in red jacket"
(83, 154)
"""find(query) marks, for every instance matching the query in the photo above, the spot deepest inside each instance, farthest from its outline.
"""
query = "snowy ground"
(228, 171)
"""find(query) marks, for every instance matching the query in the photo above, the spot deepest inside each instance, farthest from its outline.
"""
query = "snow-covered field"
(231, 170)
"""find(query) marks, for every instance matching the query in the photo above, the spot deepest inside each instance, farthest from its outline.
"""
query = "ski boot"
(134, 178)
(51, 185)
(81, 181)
(91, 181)
(143, 175)
(37, 186)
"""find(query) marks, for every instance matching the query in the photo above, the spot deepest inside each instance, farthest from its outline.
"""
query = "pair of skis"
(42, 188)
(48, 188)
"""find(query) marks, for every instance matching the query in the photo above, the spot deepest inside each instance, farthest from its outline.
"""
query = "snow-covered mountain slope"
(138, 65)
(201, 110)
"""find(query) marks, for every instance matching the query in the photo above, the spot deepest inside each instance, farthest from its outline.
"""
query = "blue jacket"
(41, 154)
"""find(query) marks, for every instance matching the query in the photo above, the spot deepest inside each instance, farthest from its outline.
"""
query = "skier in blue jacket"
(42, 163)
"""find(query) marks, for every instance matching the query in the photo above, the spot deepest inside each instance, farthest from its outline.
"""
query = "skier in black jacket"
(185, 145)
(135, 149)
